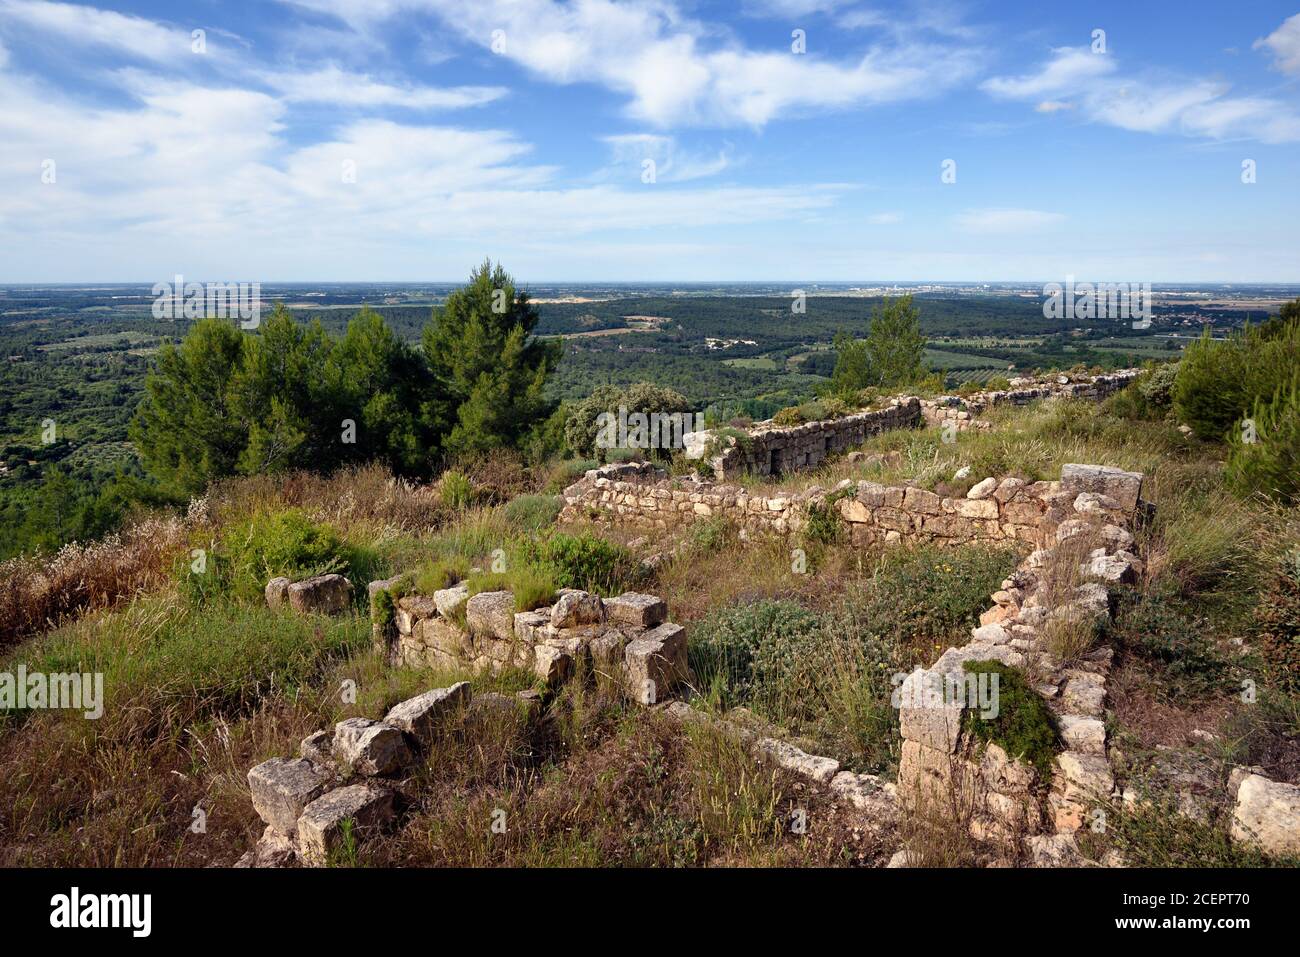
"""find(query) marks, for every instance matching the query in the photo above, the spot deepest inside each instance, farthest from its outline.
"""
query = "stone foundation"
(773, 450)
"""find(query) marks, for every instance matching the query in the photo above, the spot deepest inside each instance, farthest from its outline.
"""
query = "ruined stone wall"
(774, 450)
(1063, 587)
(964, 411)
(994, 509)
(771, 449)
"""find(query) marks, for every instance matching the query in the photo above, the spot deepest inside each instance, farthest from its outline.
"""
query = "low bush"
(534, 512)
(456, 490)
(1275, 631)
(437, 575)
(250, 553)
(1023, 725)
(789, 417)
(584, 561)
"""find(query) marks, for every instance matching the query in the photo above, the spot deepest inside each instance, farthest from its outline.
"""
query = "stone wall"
(770, 449)
(627, 638)
(964, 411)
(1062, 588)
(994, 509)
(775, 450)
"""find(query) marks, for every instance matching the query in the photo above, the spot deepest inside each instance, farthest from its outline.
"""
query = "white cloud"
(1284, 42)
(334, 85)
(885, 219)
(1067, 71)
(1189, 106)
(1000, 220)
(1053, 106)
(672, 163)
(674, 70)
(89, 26)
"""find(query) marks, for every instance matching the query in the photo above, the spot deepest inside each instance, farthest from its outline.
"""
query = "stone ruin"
(1064, 584)
(627, 638)
(346, 781)
(994, 509)
(320, 594)
(772, 450)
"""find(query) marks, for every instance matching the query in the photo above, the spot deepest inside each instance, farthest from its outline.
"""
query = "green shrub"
(1269, 464)
(929, 597)
(456, 490)
(1156, 385)
(437, 575)
(1219, 382)
(534, 512)
(833, 407)
(997, 383)
(822, 525)
(737, 651)
(269, 545)
(788, 417)
(583, 561)
(1023, 726)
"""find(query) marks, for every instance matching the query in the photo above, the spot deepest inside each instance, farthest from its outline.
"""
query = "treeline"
(225, 402)
(1245, 390)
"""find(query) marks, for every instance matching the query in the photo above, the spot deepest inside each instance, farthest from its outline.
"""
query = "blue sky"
(408, 139)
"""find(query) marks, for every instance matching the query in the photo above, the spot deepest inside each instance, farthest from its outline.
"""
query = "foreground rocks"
(1267, 816)
(312, 803)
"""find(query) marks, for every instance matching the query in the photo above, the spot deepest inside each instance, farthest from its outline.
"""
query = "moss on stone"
(1023, 727)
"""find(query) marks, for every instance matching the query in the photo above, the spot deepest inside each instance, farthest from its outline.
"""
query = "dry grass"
(38, 593)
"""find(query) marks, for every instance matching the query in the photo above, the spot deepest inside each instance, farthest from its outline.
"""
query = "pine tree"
(895, 346)
(488, 371)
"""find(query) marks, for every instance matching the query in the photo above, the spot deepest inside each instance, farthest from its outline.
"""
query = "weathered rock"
(371, 747)
(552, 665)
(277, 592)
(656, 662)
(1124, 487)
(282, 787)
(451, 601)
(1083, 734)
(412, 610)
(1267, 814)
(983, 489)
(636, 610)
(425, 716)
(575, 609)
(491, 614)
(607, 650)
(868, 793)
(534, 627)
(1086, 776)
(317, 747)
(1055, 850)
(787, 756)
(320, 828)
(322, 594)
(273, 849)
(927, 713)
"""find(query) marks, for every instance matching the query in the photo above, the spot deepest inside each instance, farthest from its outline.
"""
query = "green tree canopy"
(488, 370)
(895, 346)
